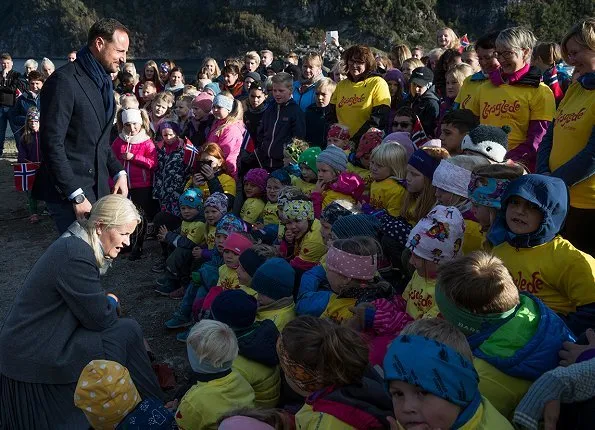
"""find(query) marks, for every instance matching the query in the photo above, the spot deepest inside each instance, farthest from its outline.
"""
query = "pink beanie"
(258, 177)
(403, 138)
(237, 243)
(204, 101)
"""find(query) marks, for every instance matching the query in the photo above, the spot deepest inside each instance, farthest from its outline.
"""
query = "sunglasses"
(401, 124)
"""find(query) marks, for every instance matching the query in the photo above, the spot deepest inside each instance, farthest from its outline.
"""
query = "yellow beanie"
(106, 394)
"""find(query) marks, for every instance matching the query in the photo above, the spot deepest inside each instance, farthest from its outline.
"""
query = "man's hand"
(121, 186)
(81, 210)
(162, 233)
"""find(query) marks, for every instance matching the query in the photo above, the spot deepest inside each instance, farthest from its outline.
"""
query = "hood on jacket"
(587, 81)
(259, 342)
(430, 94)
(363, 406)
(548, 193)
(538, 355)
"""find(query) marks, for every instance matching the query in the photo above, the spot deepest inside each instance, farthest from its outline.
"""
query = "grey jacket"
(54, 326)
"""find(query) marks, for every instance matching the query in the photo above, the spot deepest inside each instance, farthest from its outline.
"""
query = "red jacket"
(140, 168)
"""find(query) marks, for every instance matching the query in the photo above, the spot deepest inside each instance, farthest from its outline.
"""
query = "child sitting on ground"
(211, 173)
(486, 187)
(514, 337)
(328, 365)
(487, 141)
(525, 237)
(270, 219)
(306, 180)
(212, 348)
(388, 168)
(255, 184)
(434, 385)
(334, 182)
(109, 399)
(451, 180)
(192, 234)
(257, 361)
(455, 126)
(274, 281)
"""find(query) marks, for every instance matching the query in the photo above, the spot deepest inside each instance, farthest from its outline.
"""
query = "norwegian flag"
(418, 135)
(191, 155)
(24, 175)
(248, 142)
(550, 78)
(464, 40)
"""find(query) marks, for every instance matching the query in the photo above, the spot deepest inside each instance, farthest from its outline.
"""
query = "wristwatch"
(79, 199)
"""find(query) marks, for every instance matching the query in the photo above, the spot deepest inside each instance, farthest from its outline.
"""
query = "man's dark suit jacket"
(74, 138)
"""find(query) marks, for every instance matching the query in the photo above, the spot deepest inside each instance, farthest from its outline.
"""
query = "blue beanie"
(274, 279)
(356, 225)
(192, 198)
(213, 86)
(282, 176)
(236, 308)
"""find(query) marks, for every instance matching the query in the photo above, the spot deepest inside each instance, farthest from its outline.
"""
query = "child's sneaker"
(165, 286)
(182, 337)
(177, 294)
(159, 265)
(178, 321)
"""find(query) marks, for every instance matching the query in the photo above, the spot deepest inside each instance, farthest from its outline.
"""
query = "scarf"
(527, 75)
(100, 77)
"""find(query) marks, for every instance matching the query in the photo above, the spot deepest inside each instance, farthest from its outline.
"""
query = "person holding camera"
(10, 87)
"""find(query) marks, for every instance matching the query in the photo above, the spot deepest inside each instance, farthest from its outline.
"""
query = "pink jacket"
(348, 183)
(140, 168)
(230, 140)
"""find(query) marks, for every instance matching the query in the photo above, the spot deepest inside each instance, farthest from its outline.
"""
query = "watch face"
(79, 199)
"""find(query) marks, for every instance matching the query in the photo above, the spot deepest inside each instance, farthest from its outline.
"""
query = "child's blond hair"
(478, 282)
(326, 83)
(443, 331)
(393, 156)
(128, 101)
(460, 72)
(214, 342)
(282, 78)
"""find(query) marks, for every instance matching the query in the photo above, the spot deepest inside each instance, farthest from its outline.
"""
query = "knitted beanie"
(402, 137)
(338, 131)
(236, 308)
(487, 140)
(356, 225)
(218, 201)
(369, 140)
(250, 260)
(335, 157)
(204, 101)
(424, 163)
(274, 279)
(282, 176)
(237, 243)
(395, 75)
(309, 156)
(257, 177)
(224, 102)
(192, 198)
(295, 149)
(33, 114)
(452, 178)
(230, 224)
(253, 75)
(174, 126)
(213, 86)
(438, 237)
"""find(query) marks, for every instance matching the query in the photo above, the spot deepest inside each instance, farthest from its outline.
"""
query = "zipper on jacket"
(273, 135)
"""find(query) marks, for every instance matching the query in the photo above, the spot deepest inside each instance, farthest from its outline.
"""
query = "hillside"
(194, 29)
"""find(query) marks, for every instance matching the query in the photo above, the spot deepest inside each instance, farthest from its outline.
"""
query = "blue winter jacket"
(313, 298)
(306, 99)
(537, 356)
(22, 105)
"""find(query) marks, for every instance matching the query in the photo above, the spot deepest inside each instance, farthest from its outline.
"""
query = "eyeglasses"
(507, 55)
(401, 124)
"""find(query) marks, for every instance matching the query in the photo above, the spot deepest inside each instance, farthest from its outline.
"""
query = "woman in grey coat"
(62, 318)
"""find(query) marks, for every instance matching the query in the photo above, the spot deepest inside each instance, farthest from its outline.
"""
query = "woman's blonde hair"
(413, 62)
(441, 330)
(312, 58)
(460, 72)
(455, 43)
(235, 115)
(108, 212)
(398, 54)
(517, 38)
(393, 156)
(493, 289)
(214, 342)
(583, 33)
(252, 55)
(208, 60)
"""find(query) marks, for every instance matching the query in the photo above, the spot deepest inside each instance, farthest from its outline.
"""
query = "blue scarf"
(100, 77)
(436, 368)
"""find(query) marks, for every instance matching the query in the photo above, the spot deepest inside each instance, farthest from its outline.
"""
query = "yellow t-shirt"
(264, 380)
(307, 419)
(503, 391)
(387, 194)
(281, 317)
(227, 183)
(193, 230)
(364, 174)
(419, 295)
(252, 210)
(206, 402)
(269, 214)
(354, 100)
(473, 238)
(312, 247)
(210, 236)
(468, 91)
(559, 274)
(303, 186)
(515, 106)
(228, 278)
(573, 126)
(337, 308)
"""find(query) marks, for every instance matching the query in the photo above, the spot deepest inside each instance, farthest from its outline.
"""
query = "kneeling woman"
(62, 318)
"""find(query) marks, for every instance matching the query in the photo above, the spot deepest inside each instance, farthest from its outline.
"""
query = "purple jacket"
(29, 152)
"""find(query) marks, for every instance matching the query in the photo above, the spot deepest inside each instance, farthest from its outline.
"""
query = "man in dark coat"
(77, 110)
